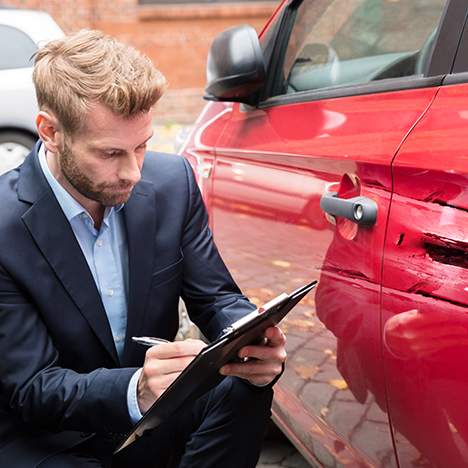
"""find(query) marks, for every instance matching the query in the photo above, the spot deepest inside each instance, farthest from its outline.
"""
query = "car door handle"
(204, 169)
(360, 210)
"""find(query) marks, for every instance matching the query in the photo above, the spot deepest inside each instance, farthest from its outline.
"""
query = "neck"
(94, 208)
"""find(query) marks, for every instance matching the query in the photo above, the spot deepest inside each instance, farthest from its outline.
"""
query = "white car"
(22, 32)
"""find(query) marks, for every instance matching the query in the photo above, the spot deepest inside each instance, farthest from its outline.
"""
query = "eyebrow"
(148, 139)
(112, 148)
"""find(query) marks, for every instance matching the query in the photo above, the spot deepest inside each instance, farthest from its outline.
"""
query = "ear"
(49, 131)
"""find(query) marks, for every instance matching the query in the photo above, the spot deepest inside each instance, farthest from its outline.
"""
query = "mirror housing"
(236, 67)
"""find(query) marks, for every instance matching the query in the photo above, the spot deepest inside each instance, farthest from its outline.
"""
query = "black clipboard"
(202, 373)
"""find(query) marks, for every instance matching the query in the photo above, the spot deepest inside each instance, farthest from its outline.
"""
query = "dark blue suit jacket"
(60, 375)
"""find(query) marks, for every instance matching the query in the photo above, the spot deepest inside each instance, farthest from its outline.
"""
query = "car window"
(17, 49)
(344, 42)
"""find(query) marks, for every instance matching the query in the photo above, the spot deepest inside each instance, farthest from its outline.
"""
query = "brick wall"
(69, 14)
(175, 37)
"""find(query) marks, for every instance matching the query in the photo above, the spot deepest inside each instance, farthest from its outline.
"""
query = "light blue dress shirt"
(106, 253)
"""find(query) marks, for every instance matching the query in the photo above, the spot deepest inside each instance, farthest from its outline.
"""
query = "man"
(98, 241)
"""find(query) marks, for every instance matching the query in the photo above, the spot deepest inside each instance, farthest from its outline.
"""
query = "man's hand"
(163, 364)
(264, 361)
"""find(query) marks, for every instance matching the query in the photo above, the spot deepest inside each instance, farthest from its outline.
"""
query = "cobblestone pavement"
(278, 452)
(284, 456)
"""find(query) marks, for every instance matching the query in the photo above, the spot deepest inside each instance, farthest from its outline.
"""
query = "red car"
(335, 147)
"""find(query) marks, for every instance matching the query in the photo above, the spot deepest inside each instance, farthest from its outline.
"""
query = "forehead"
(104, 126)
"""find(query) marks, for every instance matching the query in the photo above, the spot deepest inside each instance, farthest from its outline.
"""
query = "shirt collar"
(69, 205)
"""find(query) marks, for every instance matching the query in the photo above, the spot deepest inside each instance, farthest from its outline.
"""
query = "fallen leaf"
(306, 372)
(324, 412)
(281, 263)
(317, 430)
(339, 384)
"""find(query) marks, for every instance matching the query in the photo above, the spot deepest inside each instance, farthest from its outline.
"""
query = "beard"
(105, 194)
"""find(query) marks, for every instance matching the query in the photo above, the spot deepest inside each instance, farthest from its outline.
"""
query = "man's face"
(103, 161)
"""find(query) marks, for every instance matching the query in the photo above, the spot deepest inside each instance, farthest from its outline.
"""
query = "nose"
(130, 170)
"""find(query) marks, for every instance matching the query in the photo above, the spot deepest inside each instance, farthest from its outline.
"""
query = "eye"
(110, 153)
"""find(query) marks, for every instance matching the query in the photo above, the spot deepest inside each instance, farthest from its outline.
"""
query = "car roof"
(37, 24)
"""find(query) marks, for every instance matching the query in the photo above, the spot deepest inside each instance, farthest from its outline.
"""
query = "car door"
(425, 283)
(347, 82)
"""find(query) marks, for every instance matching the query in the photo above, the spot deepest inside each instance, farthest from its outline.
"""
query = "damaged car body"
(335, 148)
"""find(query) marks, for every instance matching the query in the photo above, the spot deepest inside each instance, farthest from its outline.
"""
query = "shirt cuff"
(132, 401)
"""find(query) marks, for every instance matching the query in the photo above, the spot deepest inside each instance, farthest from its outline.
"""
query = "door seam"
(382, 263)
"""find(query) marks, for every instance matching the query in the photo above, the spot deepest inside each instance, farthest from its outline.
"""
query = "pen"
(149, 340)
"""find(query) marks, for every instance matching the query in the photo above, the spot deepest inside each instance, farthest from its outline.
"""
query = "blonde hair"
(90, 67)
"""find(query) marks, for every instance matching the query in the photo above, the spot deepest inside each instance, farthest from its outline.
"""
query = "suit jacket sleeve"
(212, 297)
(40, 392)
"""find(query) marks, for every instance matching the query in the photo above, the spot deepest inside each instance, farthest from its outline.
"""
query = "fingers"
(256, 372)
(176, 349)
(163, 364)
(264, 353)
(272, 350)
(171, 357)
(275, 336)
(266, 360)
(252, 368)
(155, 367)
(260, 380)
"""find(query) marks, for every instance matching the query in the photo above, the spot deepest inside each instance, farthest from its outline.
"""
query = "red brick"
(176, 37)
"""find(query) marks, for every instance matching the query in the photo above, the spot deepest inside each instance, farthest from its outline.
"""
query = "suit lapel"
(140, 220)
(54, 237)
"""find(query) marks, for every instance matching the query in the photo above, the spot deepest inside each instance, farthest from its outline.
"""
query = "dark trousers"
(223, 428)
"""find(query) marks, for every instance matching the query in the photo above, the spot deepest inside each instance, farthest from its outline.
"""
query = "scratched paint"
(425, 300)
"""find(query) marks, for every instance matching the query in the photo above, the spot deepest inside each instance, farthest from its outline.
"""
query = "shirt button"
(99, 243)
(110, 292)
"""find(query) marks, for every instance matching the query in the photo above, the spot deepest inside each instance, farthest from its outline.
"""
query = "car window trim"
(448, 38)
(268, 47)
(449, 34)
(460, 65)
(277, 57)
(456, 78)
(383, 86)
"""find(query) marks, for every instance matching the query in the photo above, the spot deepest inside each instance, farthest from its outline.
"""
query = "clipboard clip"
(227, 330)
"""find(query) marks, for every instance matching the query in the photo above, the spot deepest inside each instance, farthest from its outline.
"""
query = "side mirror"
(236, 67)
